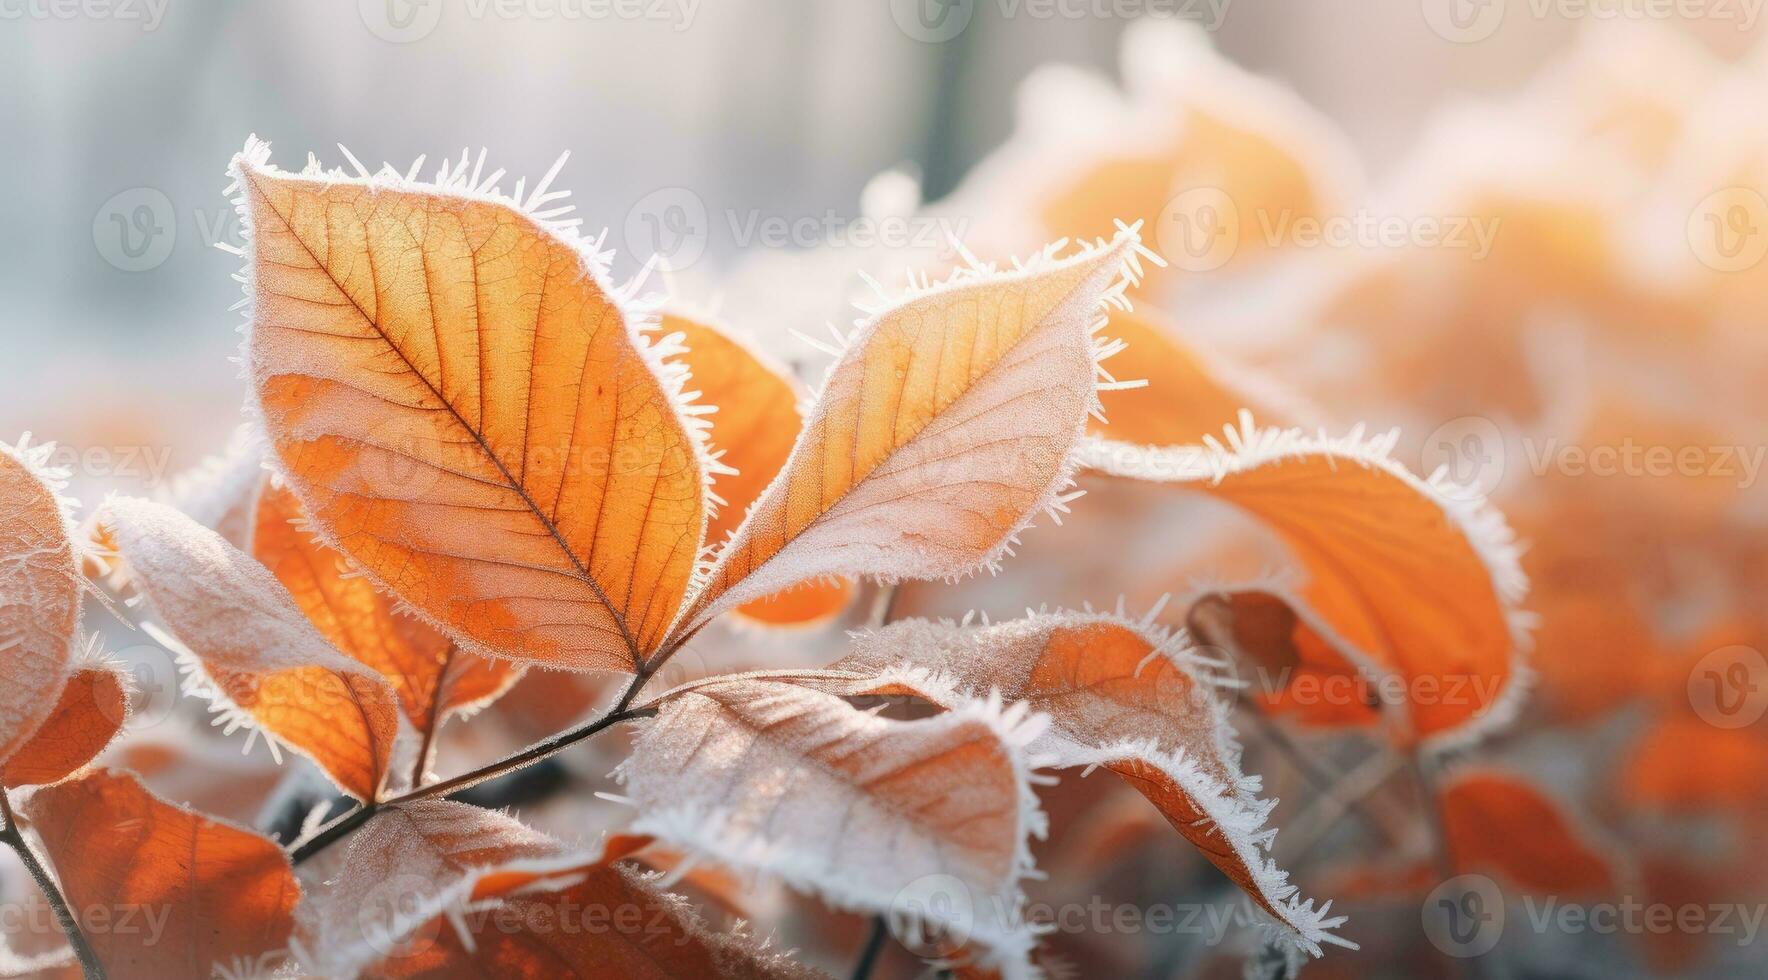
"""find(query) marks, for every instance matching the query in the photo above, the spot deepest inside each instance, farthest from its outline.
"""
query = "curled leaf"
(754, 428)
(432, 675)
(463, 408)
(264, 661)
(40, 587)
(86, 718)
(866, 811)
(944, 427)
(1403, 577)
(208, 894)
(1119, 693)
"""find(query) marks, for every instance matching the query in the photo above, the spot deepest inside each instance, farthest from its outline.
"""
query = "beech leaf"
(463, 407)
(210, 894)
(40, 586)
(1405, 577)
(264, 662)
(946, 424)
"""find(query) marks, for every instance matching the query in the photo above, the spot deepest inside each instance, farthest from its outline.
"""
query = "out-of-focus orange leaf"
(1120, 694)
(1299, 675)
(861, 809)
(463, 408)
(222, 895)
(1684, 764)
(1495, 821)
(1405, 577)
(433, 676)
(755, 426)
(88, 715)
(39, 591)
(1188, 396)
(944, 427)
(262, 657)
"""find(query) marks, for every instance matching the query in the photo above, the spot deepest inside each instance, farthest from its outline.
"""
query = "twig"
(534, 753)
(64, 916)
(1322, 779)
(868, 954)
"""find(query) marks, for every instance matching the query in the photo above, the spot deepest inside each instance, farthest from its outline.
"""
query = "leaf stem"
(13, 837)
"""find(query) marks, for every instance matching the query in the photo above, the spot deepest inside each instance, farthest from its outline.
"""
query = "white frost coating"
(223, 611)
(1247, 447)
(1181, 729)
(466, 179)
(797, 784)
(39, 627)
(911, 515)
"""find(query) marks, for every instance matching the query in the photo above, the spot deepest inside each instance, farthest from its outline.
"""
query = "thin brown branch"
(14, 838)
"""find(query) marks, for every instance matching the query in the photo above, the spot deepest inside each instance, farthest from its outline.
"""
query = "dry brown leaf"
(944, 427)
(754, 428)
(87, 717)
(433, 676)
(40, 585)
(1122, 694)
(265, 662)
(208, 894)
(1408, 578)
(873, 814)
(464, 409)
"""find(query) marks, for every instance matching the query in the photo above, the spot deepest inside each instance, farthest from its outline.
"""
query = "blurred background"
(1530, 233)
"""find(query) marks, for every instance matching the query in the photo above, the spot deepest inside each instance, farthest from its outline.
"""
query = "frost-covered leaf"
(1497, 821)
(1190, 393)
(1121, 694)
(220, 491)
(263, 660)
(205, 893)
(447, 889)
(40, 587)
(1300, 675)
(753, 430)
(930, 817)
(86, 718)
(944, 427)
(464, 408)
(433, 676)
(1410, 578)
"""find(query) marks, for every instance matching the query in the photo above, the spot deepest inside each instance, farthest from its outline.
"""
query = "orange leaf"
(944, 427)
(1301, 676)
(462, 407)
(1404, 577)
(221, 894)
(1495, 821)
(39, 591)
(863, 810)
(1189, 394)
(1120, 694)
(88, 715)
(1687, 765)
(755, 426)
(263, 659)
(433, 676)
